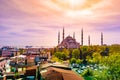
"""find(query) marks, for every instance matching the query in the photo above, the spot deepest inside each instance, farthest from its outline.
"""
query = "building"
(9, 51)
(69, 42)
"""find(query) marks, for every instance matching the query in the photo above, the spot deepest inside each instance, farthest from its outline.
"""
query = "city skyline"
(37, 23)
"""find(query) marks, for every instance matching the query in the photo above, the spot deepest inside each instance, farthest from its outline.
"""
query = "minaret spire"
(74, 35)
(82, 37)
(101, 39)
(89, 40)
(63, 33)
(58, 37)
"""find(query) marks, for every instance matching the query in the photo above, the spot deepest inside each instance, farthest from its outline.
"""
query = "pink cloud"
(48, 16)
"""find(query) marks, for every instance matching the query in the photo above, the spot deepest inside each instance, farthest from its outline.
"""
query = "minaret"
(74, 35)
(63, 33)
(58, 38)
(101, 39)
(89, 40)
(82, 37)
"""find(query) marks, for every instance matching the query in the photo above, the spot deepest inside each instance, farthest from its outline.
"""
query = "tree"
(21, 50)
(96, 57)
(78, 61)
(76, 53)
(61, 55)
(58, 55)
(70, 53)
(113, 64)
(87, 51)
(87, 72)
(72, 60)
(81, 56)
(105, 52)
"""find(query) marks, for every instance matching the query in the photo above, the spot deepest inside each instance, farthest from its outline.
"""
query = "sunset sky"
(37, 22)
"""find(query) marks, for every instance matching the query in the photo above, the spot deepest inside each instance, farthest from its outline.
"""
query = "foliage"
(89, 59)
(87, 72)
(21, 50)
(114, 49)
(66, 51)
(109, 56)
(61, 55)
(113, 63)
(101, 75)
(76, 53)
(90, 74)
(88, 51)
(72, 60)
(104, 52)
(54, 59)
(16, 75)
(78, 61)
(96, 57)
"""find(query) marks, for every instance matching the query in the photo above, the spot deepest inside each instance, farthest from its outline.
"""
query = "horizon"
(37, 23)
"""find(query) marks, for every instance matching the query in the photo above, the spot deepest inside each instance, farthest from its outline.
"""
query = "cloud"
(17, 34)
(115, 29)
(3, 28)
(35, 31)
(26, 19)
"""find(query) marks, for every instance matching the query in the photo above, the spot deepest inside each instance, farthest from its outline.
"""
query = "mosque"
(70, 42)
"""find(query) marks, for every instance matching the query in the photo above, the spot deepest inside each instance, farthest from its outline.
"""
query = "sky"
(37, 22)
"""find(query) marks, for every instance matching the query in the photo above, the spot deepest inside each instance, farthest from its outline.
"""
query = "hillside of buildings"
(90, 62)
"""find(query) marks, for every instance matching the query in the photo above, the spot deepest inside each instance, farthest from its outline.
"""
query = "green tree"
(21, 50)
(87, 72)
(113, 64)
(78, 61)
(61, 55)
(76, 53)
(58, 55)
(72, 60)
(96, 57)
